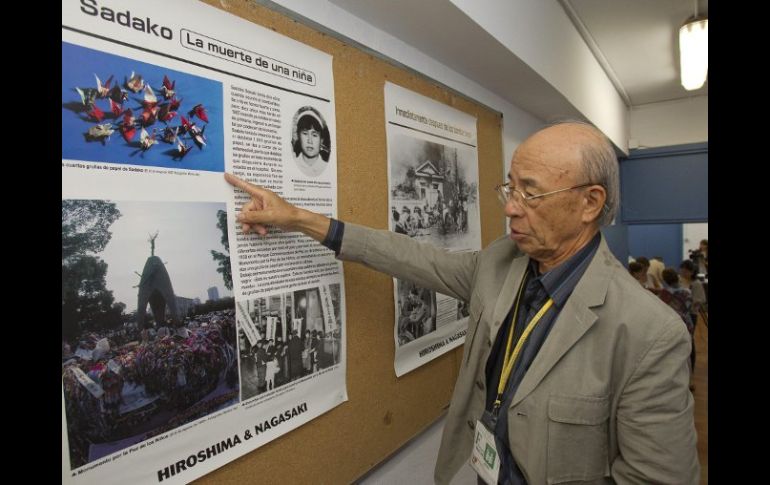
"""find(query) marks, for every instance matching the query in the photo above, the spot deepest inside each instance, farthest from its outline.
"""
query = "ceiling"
(639, 41)
(635, 42)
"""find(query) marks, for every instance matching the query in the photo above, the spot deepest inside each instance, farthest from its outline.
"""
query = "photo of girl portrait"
(311, 141)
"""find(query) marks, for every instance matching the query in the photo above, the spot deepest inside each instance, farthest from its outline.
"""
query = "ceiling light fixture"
(694, 51)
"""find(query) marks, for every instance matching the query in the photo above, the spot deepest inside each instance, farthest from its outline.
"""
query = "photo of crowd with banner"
(285, 337)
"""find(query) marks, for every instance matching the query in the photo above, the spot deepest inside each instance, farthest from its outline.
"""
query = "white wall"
(517, 124)
(414, 463)
(692, 235)
(541, 34)
(669, 123)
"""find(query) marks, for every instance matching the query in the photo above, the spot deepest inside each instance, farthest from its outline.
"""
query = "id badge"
(485, 460)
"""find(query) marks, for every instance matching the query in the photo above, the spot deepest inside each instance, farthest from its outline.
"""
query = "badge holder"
(485, 459)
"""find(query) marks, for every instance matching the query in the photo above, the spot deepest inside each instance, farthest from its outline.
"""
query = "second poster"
(433, 197)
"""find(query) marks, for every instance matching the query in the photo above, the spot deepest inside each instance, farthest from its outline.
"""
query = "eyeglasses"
(505, 193)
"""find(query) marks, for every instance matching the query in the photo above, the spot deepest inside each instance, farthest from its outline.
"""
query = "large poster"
(433, 180)
(185, 343)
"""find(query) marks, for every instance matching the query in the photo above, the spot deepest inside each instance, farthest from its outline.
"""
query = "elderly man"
(571, 371)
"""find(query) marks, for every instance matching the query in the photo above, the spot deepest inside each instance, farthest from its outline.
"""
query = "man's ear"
(594, 200)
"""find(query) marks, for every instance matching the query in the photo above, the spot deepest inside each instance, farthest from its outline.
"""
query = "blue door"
(656, 240)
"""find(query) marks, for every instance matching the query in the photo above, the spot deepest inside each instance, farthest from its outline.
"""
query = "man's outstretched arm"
(394, 254)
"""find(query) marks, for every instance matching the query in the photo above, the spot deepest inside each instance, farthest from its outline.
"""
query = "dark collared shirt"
(557, 284)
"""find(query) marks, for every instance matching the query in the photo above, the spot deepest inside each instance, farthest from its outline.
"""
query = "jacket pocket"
(577, 438)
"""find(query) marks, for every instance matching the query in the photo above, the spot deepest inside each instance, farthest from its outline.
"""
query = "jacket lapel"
(507, 295)
(573, 321)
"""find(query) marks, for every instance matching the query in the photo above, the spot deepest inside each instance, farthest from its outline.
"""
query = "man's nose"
(513, 207)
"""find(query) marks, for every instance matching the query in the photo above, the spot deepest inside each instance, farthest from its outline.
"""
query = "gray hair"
(600, 166)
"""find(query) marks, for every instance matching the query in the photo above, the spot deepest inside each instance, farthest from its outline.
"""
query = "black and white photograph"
(416, 311)
(310, 141)
(287, 336)
(433, 192)
(148, 321)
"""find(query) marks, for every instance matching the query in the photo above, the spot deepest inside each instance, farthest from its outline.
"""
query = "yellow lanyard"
(510, 357)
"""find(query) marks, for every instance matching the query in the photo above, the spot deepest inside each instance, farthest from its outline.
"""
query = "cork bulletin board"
(383, 412)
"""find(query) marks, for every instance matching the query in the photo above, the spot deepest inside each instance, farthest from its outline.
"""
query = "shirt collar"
(561, 280)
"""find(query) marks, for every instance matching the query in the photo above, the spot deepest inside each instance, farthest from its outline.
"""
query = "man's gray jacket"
(606, 400)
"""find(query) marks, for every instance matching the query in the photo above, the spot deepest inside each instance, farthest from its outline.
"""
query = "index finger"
(243, 185)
